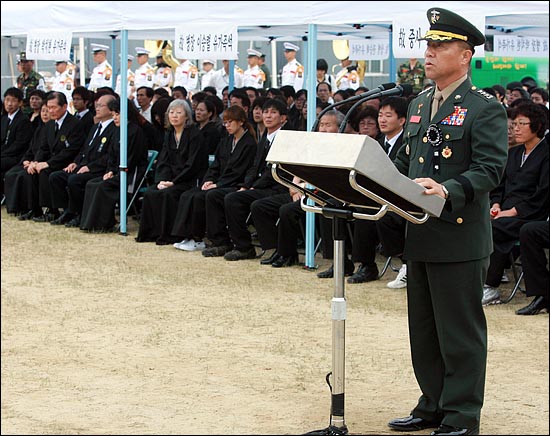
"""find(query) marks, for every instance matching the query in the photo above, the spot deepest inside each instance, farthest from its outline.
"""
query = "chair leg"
(514, 291)
(387, 264)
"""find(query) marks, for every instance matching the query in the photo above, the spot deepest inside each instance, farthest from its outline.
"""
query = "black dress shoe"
(329, 273)
(285, 261)
(448, 430)
(411, 423)
(64, 218)
(27, 216)
(75, 222)
(539, 303)
(364, 274)
(270, 259)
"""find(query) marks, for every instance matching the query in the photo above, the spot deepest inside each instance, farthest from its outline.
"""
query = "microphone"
(383, 90)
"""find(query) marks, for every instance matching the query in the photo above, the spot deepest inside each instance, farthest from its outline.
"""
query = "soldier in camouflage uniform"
(412, 73)
(28, 81)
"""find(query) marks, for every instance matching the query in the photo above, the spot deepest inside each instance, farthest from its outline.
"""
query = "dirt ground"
(102, 335)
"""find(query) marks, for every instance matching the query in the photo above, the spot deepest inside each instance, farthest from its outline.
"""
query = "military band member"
(254, 76)
(221, 78)
(63, 81)
(130, 80)
(145, 73)
(293, 71)
(347, 77)
(164, 78)
(187, 75)
(102, 75)
(455, 146)
(207, 74)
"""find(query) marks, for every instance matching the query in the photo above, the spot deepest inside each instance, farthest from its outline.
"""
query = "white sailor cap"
(130, 57)
(252, 52)
(99, 47)
(291, 47)
(208, 61)
(142, 51)
(61, 61)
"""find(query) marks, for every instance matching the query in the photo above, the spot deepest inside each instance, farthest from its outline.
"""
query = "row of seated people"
(169, 205)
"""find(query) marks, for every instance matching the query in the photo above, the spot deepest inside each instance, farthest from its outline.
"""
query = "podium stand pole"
(338, 307)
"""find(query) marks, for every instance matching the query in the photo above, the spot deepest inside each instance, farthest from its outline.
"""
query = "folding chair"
(515, 264)
(140, 189)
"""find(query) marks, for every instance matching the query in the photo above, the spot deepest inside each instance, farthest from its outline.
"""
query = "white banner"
(522, 46)
(49, 45)
(369, 49)
(405, 34)
(199, 42)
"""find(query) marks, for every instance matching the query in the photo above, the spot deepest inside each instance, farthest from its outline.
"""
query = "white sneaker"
(490, 295)
(401, 279)
(177, 244)
(191, 245)
(505, 278)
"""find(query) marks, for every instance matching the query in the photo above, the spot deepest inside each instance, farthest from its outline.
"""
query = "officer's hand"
(432, 187)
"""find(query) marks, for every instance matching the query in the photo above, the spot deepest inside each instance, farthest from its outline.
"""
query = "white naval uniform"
(346, 79)
(102, 75)
(64, 82)
(130, 83)
(144, 76)
(254, 77)
(163, 77)
(221, 79)
(293, 75)
(187, 75)
(207, 79)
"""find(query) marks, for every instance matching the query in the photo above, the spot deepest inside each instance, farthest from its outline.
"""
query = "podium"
(353, 178)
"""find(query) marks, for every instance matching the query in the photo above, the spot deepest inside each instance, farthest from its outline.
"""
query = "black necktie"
(97, 133)
(387, 147)
(56, 129)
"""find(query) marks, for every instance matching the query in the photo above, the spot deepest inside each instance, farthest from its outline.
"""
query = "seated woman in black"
(181, 160)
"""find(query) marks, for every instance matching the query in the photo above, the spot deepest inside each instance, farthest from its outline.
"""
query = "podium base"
(330, 430)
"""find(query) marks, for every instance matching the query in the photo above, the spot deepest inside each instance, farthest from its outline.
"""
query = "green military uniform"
(28, 84)
(463, 147)
(414, 76)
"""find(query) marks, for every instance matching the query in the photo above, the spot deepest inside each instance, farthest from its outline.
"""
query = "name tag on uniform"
(415, 119)
(456, 118)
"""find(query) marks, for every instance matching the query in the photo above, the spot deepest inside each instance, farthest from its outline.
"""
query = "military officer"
(187, 75)
(130, 80)
(412, 72)
(163, 75)
(221, 78)
(207, 73)
(293, 71)
(145, 74)
(28, 80)
(455, 146)
(254, 76)
(64, 80)
(347, 77)
(102, 75)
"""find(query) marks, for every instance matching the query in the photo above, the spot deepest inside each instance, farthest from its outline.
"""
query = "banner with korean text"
(194, 41)
(369, 49)
(49, 45)
(406, 34)
(524, 46)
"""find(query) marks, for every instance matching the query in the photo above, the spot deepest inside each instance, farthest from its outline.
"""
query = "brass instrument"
(165, 48)
(340, 48)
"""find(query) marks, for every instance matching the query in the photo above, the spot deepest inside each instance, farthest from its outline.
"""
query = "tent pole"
(123, 169)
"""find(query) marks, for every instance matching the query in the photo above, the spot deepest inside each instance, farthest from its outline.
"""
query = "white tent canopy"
(277, 20)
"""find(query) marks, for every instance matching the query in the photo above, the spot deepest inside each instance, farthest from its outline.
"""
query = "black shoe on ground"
(28, 216)
(240, 255)
(75, 222)
(64, 218)
(448, 430)
(49, 216)
(410, 423)
(364, 274)
(216, 250)
(329, 273)
(534, 307)
(269, 260)
(285, 261)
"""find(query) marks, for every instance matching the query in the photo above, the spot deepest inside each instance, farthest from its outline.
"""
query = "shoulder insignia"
(485, 94)
(300, 69)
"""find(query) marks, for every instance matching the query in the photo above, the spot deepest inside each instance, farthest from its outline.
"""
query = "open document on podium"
(349, 168)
